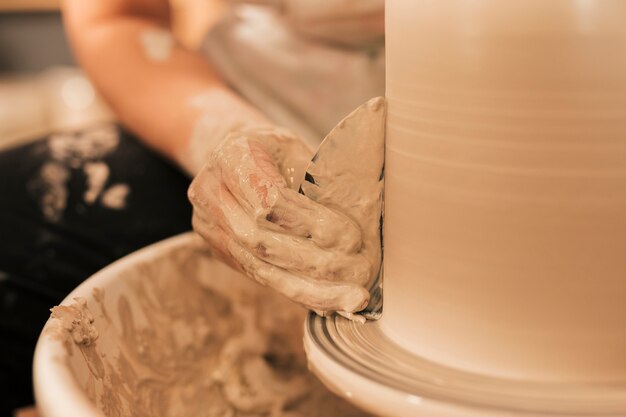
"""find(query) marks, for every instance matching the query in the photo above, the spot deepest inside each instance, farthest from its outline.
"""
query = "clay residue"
(77, 321)
(52, 189)
(77, 148)
(115, 197)
(78, 153)
(190, 337)
(157, 44)
(97, 174)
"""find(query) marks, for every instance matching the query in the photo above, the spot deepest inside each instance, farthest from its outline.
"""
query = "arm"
(245, 204)
(151, 97)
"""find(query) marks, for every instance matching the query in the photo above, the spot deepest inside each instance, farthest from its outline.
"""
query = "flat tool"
(347, 175)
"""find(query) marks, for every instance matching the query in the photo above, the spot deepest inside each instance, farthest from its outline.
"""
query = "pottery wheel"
(361, 363)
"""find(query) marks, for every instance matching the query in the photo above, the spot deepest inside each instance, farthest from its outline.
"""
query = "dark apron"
(43, 259)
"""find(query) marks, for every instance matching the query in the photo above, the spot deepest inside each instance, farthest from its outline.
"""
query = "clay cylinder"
(505, 200)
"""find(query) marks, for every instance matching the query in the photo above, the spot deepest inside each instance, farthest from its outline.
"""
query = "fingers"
(250, 173)
(292, 253)
(244, 209)
(206, 219)
(234, 245)
(295, 214)
(315, 295)
(220, 212)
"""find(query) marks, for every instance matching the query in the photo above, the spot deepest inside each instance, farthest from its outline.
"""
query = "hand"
(247, 207)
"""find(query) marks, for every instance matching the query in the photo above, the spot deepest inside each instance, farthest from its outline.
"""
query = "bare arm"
(150, 97)
(245, 204)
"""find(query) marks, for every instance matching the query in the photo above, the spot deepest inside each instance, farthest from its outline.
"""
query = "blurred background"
(41, 88)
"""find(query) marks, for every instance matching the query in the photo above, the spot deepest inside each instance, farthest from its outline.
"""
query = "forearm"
(156, 98)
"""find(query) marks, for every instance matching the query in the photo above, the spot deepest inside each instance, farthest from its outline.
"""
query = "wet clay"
(115, 197)
(70, 153)
(247, 206)
(97, 174)
(78, 321)
(157, 44)
(186, 336)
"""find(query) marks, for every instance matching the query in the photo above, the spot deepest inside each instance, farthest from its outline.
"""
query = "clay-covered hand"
(247, 207)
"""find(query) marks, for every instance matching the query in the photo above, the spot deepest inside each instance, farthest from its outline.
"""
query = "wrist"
(218, 114)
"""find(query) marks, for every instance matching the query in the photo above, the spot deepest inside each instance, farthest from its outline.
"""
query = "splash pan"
(359, 362)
